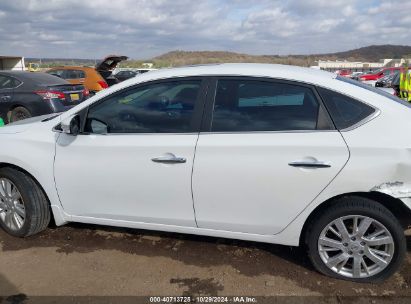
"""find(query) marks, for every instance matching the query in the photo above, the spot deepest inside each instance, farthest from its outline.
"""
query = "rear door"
(268, 148)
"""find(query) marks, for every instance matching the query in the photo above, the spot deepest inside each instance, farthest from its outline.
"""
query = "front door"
(133, 162)
(270, 149)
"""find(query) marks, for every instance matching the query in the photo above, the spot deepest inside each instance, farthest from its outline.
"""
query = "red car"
(378, 74)
(344, 73)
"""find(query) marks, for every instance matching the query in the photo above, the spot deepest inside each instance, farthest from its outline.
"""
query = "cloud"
(145, 28)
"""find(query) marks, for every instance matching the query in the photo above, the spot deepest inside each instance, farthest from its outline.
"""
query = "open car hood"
(110, 62)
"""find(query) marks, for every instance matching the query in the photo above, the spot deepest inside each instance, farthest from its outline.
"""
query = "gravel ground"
(85, 260)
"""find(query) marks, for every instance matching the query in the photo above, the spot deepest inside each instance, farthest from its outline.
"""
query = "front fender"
(33, 153)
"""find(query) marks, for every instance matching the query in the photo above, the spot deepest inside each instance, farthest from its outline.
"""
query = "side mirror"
(71, 125)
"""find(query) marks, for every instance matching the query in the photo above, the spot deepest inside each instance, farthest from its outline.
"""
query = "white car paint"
(121, 168)
(370, 82)
(253, 187)
(388, 90)
(377, 154)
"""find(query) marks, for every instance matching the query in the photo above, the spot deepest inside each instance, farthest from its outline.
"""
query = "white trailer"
(14, 63)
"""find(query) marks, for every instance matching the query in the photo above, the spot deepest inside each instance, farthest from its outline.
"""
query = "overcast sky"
(146, 28)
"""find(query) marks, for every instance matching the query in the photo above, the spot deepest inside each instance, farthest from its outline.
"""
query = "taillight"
(86, 92)
(50, 94)
(103, 84)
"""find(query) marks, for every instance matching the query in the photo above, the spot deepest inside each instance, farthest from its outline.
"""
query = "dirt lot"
(93, 260)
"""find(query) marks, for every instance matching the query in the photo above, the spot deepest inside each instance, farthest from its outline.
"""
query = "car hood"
(25, 124)
(110, 62)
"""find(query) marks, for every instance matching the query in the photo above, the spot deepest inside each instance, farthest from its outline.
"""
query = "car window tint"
(58, 73)
(345, 111)
(165, 107)
(16, 82)
(251, 105)
(74, 74)
(8, 82)
(81, 74)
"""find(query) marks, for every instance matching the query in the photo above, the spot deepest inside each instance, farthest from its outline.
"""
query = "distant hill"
(178, 58)
(370, 53)
(204, 57)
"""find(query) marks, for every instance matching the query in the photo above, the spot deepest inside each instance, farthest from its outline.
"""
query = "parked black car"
(124, 75)
(385, 82)
(26, 94)
(395, 84)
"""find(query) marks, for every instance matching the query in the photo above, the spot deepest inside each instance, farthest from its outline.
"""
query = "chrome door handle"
(169, 158)
(309, 164)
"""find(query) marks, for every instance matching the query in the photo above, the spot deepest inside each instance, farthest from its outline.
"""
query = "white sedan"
(267, 153)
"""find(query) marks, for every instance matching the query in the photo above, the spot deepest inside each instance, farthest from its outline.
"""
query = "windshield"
(375, 90)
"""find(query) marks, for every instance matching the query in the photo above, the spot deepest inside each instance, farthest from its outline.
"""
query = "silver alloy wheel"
(12, 210)
(356, 246)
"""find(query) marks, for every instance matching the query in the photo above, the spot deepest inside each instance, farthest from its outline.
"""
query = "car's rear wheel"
(19, 113)
(356, 239)
(24, 209)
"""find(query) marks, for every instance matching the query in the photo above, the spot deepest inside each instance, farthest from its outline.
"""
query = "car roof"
(270, 71)
(278, 71)
(35, 77)
(71, 67)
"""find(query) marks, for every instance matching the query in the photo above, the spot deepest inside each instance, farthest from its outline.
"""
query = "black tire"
(354, 205)
(19, 113)
(36, 204)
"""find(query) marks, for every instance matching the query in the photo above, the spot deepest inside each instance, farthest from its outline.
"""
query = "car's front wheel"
(24, 209)
(356, 239)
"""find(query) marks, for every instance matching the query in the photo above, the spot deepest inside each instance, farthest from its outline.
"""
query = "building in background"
(14, 63)
(359, 66)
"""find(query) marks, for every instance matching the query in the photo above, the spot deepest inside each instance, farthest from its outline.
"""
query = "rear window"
(7, 82)
(374, 90)
(74, 74)
(345, 111)
(58, 73)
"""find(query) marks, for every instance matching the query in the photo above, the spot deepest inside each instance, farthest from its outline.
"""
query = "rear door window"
(254, 105)
(7, 82)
